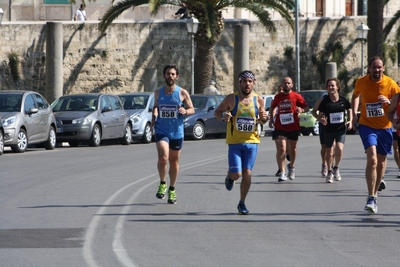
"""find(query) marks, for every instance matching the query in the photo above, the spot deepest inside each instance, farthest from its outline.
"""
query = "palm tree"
(211, 24)
(375, 23)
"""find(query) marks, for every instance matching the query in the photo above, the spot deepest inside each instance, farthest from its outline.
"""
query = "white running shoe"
(336, 174)
(329, 178)
(291, 173)
(282, 177)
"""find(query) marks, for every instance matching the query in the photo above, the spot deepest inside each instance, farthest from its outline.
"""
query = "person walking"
(332, 114)
(375, 90)
(80, 14)
(171, 102)
(211, 89)
(242, 111)
(289, 104)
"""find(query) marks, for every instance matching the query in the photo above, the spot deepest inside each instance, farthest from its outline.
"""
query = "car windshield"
(75, 103)
(199, 102)
(312, 97)
(134, 101)
(10, 102)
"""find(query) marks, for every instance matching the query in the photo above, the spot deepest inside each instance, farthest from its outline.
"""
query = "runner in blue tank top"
(171, 103)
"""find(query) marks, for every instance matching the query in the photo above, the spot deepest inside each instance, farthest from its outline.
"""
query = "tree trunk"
(375, 23)
(203, 66)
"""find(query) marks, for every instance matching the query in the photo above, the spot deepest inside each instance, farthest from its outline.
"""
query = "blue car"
(203, 122)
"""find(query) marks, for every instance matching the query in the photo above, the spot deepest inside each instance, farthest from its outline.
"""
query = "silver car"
(140, 107)
(27, 119)
(91, 118)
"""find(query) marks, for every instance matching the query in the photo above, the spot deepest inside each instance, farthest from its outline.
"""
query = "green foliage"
(390, 52)
(333, 53)
(288, 52)
(13, 64)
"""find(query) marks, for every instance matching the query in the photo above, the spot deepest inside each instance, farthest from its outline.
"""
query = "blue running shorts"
(241, 156)
(381, 138)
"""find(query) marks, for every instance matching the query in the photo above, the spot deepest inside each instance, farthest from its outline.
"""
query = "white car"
(267, 101)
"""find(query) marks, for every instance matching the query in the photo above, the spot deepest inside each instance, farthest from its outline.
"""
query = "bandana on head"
(246, 74)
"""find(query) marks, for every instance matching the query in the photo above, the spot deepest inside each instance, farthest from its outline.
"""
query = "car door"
(106, 117)
(212, 124)
(32, 121)
(120, 116)
(44, 113)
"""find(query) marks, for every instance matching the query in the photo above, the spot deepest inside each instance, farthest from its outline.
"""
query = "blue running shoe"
(371, 205)
(229, 183)
(242, 210)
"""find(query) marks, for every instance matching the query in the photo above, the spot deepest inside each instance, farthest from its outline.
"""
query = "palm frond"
(115, 10)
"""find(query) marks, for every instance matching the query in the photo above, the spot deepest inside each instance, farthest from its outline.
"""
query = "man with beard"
(375, 90)
(171, 102)
(242, 111)
(289, 104)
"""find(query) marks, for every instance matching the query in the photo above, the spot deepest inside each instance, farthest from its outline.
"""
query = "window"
(29, 103)
(115, 103)
(104, 103)
(42, 104)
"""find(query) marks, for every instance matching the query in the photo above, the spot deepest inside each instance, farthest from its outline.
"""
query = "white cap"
(212, 82)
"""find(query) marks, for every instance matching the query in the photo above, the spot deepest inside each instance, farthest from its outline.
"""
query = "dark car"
(203, 122)
(1, 137)
(140, 108)
(27, 120)
(91, 118)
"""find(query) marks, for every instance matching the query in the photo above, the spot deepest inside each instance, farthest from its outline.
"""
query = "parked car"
(140, 108)
(309, 124)
(27, 120)
(1, 137)
(267, 101)
(203, 122)
(91, 118)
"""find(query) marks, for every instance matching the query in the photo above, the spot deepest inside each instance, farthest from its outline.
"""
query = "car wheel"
(305, 133)
(147, 135)
(127, 139)
(95, 139)
(73, 143)
(315, 130)
(50, 144)
(22, 142)
(199, 131)
(1, 143)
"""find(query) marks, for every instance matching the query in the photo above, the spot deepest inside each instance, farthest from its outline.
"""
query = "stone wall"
(117, 61)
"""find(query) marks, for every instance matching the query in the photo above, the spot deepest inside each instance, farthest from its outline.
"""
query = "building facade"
(62, 10)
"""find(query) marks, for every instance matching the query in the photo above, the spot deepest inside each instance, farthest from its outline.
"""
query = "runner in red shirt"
(289, 104)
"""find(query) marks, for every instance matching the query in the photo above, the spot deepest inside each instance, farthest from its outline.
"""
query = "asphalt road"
(97, 207)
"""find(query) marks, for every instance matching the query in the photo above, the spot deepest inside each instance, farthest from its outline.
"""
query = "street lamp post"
(362, 32)
(192, 25)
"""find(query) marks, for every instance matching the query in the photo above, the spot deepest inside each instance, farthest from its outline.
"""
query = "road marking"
(118, 247)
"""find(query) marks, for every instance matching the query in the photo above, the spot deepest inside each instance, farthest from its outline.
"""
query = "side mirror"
(33, 111)
(106, 109)
(211, 108)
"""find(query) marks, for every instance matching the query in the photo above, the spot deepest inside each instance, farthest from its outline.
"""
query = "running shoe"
(162, 189)
(382, 185)
(171, 197)
(282, 177)
(336, 174)
(278, 173)
(324, 170)
(398, 174)
(291, 173)
(229, 183)
(371, 205)
(329, 178)
(242, 210)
